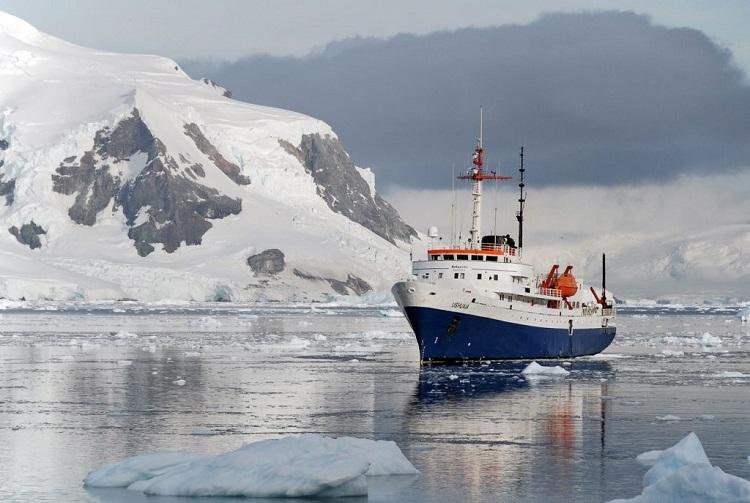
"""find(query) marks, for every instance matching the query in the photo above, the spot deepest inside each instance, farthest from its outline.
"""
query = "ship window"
(455, 275)
(462, 257)
(479, 276)
(447, 257)
(491, 258)
(461, 275)
(495, 277)
(477, 257)
(440, 275)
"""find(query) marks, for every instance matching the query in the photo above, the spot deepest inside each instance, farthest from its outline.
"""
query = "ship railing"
(504, 249)
(607, 311)
(550, 292)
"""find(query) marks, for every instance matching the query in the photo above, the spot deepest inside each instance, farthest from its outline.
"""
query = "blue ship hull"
(446, 336)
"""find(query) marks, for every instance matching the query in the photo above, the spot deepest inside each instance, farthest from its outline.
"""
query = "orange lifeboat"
(566, 283)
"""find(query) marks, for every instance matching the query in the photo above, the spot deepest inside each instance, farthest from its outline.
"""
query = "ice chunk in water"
(534, 369)
(304, 466)
(683, 473)
(709, 339)
(143, 467)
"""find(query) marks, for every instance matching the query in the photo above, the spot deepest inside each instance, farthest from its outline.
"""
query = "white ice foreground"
(302, 466)
(534, 369)
(683, 473)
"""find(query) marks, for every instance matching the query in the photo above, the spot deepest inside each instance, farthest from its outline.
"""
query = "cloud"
(597, 99)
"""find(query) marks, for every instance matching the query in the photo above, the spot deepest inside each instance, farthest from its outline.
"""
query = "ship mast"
(521, 201)
(477, 174)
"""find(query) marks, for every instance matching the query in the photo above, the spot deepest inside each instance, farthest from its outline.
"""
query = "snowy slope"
(121, 177)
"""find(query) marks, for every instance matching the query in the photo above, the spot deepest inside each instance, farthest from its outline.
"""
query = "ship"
(479, 300)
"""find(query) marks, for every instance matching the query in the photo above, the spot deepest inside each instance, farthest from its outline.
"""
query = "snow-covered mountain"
(121, 177)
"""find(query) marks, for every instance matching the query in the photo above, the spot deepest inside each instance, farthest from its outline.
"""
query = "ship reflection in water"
(521, 435)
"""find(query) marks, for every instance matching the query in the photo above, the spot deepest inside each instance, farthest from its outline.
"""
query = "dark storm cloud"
(596, 98)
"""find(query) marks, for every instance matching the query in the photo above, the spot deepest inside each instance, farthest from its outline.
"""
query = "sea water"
(82, 385)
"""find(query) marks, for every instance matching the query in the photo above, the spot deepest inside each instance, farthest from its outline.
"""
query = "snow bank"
(303, 466)
(683, 473)
(534, 369)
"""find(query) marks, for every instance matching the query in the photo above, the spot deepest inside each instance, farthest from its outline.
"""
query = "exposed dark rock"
(267, 262)
(353, 284)
(230, 169)
(176, 207)
(28, 234)
(95, 187)
(91, 178)
(7, 188)
(224, 92)
(343, 188)
(305, 275)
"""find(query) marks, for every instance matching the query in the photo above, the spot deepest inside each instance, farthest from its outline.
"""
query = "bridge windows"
(462, 257)
(447, 257)
(477, 257)
(491, 258)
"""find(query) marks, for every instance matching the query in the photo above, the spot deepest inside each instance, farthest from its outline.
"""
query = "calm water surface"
(77, 392)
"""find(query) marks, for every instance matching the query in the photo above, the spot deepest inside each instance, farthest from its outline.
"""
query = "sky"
(230, 29)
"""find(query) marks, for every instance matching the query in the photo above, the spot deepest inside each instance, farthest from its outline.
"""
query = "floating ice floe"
(534, 369)
(683, 473)
(303, 466)
(122, 334)
(710, 340)
(671, 352)
(670, 418)
(730, 374)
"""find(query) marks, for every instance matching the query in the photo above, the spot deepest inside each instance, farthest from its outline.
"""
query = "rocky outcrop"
(230, 169)
(353, 284)
(163, 203)
(91, 178)
(224, 92)
(7, 188)
(175, 208)
(267, 262)
(343, 188)
(28, 234)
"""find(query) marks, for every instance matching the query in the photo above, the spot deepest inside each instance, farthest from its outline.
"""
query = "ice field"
(84, 385)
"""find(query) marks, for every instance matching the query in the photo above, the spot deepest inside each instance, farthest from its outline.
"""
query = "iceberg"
(301, 466)
(683, 473)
